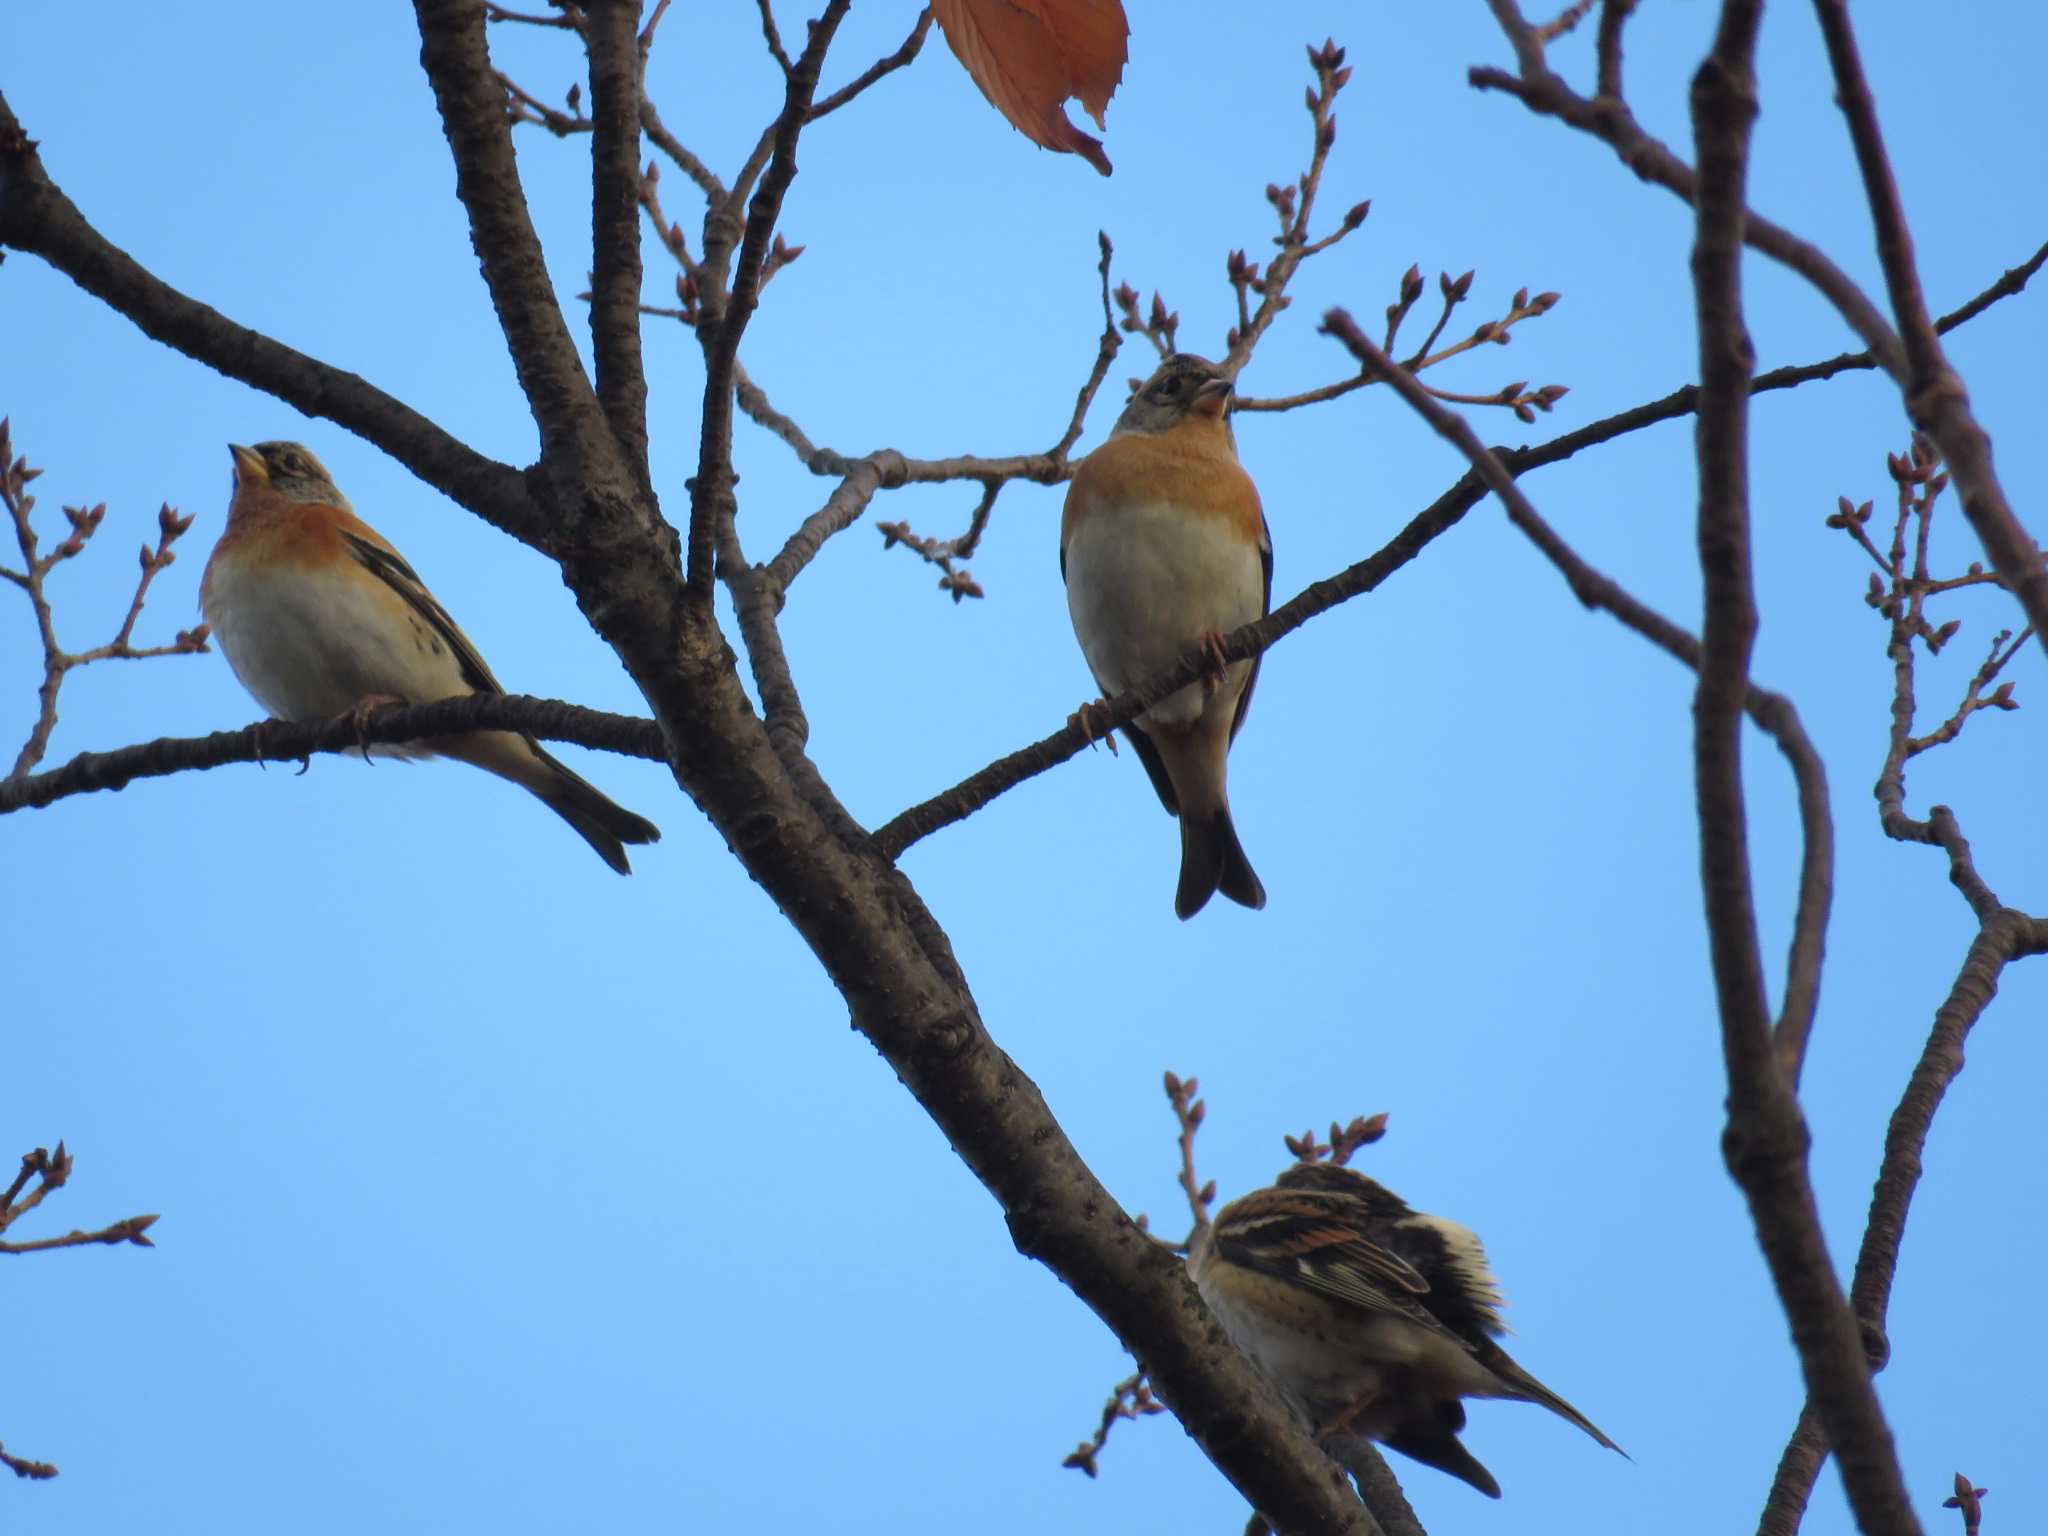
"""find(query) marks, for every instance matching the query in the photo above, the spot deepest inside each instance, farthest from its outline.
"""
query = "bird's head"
(288, 468)
(1184, 387)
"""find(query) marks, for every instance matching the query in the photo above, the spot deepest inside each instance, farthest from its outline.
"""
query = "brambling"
(320, 617)
(1370, 1319)
(1164, 547)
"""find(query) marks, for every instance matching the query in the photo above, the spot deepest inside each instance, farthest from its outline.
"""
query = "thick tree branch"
(1936, 400)
(456, 57)
(1377, 1486)
(1724, 105)
(1766, 1140)
(36, 217)
(616, 63)
(873, 936)
(1805, 1450)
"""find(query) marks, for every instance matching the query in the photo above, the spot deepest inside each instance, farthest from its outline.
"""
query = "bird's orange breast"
(268, 528)
(1191, 467)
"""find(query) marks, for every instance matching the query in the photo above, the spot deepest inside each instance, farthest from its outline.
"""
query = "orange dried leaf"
(1029, 56)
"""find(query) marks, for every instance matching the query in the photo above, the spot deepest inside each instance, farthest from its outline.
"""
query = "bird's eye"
(1169, 388)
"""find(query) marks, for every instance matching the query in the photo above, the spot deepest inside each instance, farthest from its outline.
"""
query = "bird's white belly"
(1145, 583)
(311, 647)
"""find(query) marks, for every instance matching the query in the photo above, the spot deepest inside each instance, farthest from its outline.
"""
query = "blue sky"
(499, 1193)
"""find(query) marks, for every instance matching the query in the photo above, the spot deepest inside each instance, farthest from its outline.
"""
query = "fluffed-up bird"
(320, 617)
(1369, 1318)
(1164, 547)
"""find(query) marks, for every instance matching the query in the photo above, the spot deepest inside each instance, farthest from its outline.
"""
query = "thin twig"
(21, 1466)
(58, 663)
(888, 64)
(1294, 212)
(1130, 1398)
(1188, 1112)
(773, 36)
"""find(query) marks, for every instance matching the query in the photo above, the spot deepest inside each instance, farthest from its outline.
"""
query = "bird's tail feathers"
(1521, 1384)
(600, 821)
(1432, 1439)
(1212, 860)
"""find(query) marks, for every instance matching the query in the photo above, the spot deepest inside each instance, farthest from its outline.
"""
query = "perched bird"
(1370, 1319)
(320, 617)
(1164, 548)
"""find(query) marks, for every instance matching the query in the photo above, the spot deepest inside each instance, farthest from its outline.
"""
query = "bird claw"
(359, 717)
(259, 737)
(1341, 1424)
(1211, 647)
(1093, 719)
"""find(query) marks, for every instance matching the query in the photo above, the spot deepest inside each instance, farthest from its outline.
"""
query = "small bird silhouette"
(1371, 1319)
(320, 617)
(1164, 548)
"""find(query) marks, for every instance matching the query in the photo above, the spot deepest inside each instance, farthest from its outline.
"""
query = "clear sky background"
(501, 1194)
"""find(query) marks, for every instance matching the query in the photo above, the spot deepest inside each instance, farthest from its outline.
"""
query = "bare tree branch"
(706, 179)
(36, 217)
(712, 502)
(2004, 935)
(21, 1466)
(557, 721)
(1614, 16)
(1295, 245)
(278, 741)
(1772, 712)
(573, 433)
(50, 1171)
(1130, 1398)
(888, 64)
(1766, 1139)
(1610, 121)
(1936, 400)
(58, 663)
(978, 789)
(612, 36)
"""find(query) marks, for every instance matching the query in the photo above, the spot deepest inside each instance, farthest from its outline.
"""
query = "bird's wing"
(385, 563)
(1313, 1241)
(1244, 700)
